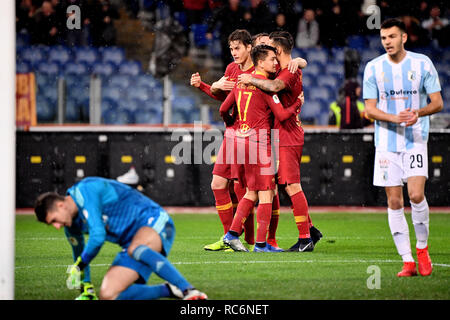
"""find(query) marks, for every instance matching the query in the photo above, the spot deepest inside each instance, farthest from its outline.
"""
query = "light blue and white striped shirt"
(398, 86)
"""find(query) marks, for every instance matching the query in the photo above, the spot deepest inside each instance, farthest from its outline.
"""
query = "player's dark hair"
(260, 52)
(393, 22)
(241, 35)
(44, 203)
(257, 36)
(283, 39)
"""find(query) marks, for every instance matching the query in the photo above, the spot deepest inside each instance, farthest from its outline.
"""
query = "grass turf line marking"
(249, 262)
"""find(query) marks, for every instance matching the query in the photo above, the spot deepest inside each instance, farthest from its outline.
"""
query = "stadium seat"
(147, 80)
(103, 69)
(297, 52)
(75, 68)
(194, 115)
(140, 93)
(86, 55)
(45, 109)
(183, 103)
(368, 55)
(123, 81)
(320, 56)
(313, 68)
(112, 92)
(309, 80)
(49, 68)
(130, 67)
(319, 93)
(33, 55)
(374, 43)
(336, 69)
(328, 80)
(59, 54)
(113, 55)
(180, 116)
(108, 104)
(73, 111)
(23, 67)
(446, 95)
(310, 111)
(74, 80)
(147, 116)
(337, 55)
(77, 92)
(117, 116)
(130, 104)
(199, 35)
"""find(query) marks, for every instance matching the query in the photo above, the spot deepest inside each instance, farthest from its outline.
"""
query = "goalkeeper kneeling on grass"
(108, 210)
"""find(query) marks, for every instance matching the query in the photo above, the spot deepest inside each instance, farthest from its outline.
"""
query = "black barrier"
(175, 167)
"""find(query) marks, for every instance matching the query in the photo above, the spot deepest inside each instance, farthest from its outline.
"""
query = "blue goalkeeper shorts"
(163, 224)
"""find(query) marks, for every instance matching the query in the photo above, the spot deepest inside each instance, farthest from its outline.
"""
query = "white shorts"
(394, 168)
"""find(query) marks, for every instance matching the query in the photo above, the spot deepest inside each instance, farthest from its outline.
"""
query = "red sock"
(263, 214)
(274, 218)
(249, 224)
(224, 207)
(301, 214)
(243, 210)
(234, 197)
(239, 190)
(249, 228)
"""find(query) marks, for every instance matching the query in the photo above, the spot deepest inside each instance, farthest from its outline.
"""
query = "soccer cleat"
(424, 261)
(249, 246)
(87, 292)
(216, 246)
(302, 245)
(272, 242)
(316, 235)
(267, 248)
(130, 177)
(174, 291)
(409, 270)
(194, 294)
(234, 242)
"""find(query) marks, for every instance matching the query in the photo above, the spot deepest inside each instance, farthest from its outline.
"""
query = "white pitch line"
(249, 262)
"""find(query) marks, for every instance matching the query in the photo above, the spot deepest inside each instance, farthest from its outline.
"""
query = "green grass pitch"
(337, 269)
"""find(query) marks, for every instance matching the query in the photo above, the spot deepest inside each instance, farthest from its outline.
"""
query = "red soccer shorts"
(289, 164)
(222, 166)
(254, 166)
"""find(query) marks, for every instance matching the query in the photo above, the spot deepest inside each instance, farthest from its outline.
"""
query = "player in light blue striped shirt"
(396, 87)
(108, 210)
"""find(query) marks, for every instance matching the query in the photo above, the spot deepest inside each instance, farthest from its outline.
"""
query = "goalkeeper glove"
(87, 292)
(75, 273)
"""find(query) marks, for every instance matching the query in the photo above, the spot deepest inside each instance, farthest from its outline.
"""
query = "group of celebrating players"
(262, 148)
(262, 145)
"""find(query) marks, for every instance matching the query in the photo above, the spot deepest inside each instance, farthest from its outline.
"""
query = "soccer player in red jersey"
(240, 47)
(255, 168)
(291, 139)
(238, 41)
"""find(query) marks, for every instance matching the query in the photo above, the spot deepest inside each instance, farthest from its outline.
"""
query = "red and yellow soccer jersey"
(254, 108)
(290, 131)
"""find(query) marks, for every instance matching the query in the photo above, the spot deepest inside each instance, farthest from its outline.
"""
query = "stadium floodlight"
(8, 142)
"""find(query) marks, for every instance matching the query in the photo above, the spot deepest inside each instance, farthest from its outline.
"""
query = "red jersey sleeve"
(289, 79)
(225, 108)
(277, 108)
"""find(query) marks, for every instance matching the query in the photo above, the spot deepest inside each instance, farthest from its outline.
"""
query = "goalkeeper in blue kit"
(108, 210)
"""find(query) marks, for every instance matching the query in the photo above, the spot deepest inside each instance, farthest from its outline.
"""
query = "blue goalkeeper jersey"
(107, 211)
